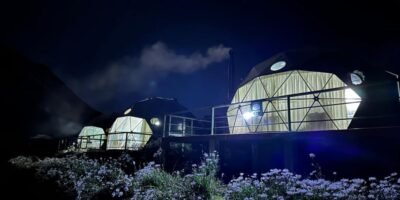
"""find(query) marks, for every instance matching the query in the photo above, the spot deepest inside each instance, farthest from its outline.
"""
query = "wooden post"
(213, 145)
(254, 156)
(164, 151)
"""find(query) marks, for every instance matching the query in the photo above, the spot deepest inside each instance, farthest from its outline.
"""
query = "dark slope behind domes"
(36, 102)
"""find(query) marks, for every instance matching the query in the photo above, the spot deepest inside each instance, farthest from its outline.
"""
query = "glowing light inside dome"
(248, 115)
(352, 102)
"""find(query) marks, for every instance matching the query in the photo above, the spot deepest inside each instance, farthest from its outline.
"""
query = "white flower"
(263, 195)
(372, 179)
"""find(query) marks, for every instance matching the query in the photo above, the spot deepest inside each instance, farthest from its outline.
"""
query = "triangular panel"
(317, 119)
(298, 110)
(272, 83)
(316, 80)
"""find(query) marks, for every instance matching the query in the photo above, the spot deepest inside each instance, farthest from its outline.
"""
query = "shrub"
(87, 178)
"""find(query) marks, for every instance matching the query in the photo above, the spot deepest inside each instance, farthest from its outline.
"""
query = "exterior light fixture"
(155, 121)
(248, 115)
(278, 66)
(256, 107)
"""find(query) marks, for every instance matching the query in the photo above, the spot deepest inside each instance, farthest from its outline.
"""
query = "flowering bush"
(154, 183)
(81, 176)
(282, 184)
(87, 178)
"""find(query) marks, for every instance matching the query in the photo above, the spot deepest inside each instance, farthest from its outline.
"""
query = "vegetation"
(85, 178)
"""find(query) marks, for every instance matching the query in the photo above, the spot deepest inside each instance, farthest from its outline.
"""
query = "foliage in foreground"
(87, 178)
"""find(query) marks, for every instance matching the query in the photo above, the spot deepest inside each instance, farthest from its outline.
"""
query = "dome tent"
(153, 110)
(128, 133)
(297, 91)
(131, 130)
(91, 137)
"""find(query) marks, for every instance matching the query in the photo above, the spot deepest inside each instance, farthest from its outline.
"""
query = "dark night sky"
(81, 40)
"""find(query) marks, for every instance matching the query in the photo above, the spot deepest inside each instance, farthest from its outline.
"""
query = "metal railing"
(175, 125)
(125, 141)
(86, 142)
(279, 117)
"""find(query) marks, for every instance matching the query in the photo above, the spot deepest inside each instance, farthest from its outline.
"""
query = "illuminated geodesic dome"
(295, 92)
(130, 133)
(91, 137)
(153, 110)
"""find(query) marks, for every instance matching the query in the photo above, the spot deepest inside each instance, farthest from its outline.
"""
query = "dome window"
(278, 66)
(357, 77)
(127, 111)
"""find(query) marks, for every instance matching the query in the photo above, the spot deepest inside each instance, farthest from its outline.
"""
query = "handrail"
(221, 114)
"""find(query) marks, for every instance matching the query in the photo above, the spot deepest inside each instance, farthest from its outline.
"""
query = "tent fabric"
(329, 110)
(91, 137)
(128, 133)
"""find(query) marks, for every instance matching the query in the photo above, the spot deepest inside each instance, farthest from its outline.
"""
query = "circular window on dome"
(129, 110)
(278, 65)
(357, 77)
(155, 121)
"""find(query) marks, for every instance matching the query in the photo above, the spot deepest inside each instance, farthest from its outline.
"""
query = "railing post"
(165, 123)
(80, 143)
(191, 127)
(126, 141)
(184, 127)
(169, 125)
(101, 139)
(212, 120)
(105, 141)
(289, 116)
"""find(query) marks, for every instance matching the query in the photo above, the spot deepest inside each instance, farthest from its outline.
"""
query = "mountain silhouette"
(36, 105)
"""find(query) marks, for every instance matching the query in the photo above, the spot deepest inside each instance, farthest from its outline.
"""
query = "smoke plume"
(135, 73)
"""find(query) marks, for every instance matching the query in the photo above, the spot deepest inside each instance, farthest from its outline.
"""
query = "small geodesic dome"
(128, 133)
(153, 110)
(91, 137)
(280, 95)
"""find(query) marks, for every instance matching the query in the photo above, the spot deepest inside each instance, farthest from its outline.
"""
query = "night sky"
(113, 53)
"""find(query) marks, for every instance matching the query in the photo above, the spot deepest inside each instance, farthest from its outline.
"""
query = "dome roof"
(335, 62)
(155, 106)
